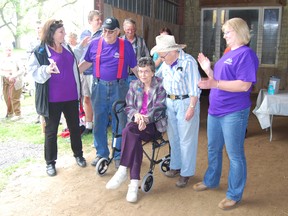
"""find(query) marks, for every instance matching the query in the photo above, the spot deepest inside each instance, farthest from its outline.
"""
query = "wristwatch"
(192, 106)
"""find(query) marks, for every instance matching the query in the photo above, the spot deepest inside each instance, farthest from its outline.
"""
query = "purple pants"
(131, 147)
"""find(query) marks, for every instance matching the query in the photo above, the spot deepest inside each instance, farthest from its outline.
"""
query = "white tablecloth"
(269, 105)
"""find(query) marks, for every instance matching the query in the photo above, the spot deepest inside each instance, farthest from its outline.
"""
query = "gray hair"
(146, 61)
(129, 21)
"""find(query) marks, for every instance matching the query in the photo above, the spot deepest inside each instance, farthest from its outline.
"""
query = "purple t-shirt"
(110, 58)
(62, 86)
(240, 64)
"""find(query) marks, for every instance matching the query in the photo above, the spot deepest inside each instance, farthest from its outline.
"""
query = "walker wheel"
(165, 165)
(147, 183)
(102, 166)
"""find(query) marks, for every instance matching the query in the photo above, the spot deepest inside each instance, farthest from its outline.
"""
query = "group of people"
(120, 68)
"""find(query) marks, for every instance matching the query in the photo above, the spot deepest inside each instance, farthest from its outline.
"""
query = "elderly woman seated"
(144, 96)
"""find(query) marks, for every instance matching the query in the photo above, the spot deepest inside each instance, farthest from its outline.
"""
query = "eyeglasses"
(109, 31)
(163, 57)
(129, 29)
(57, 22)
(228, 32)
(144, 71)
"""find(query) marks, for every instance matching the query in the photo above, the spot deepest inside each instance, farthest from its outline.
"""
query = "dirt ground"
(78, 191)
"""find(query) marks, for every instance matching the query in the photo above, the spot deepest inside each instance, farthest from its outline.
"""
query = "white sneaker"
(15, 118)
(116, 180)
(132, 191)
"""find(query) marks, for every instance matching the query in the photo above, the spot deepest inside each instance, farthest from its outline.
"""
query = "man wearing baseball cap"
(110, 70)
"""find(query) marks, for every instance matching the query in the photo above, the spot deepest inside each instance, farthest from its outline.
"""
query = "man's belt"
(177, 97)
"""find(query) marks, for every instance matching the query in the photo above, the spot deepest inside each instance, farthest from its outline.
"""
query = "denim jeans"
(183, 136)
(229, 130)
(130, 78)
(104, 94)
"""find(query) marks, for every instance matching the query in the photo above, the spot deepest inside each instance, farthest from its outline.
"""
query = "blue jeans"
(229, 130)
(104, 94)
(183, 136)
(130, 78)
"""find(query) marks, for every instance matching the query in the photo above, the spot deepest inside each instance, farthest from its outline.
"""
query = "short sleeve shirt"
(240, 64)
(109, 59)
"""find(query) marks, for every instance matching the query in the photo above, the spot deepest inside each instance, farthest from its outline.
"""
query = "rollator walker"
(156, 144)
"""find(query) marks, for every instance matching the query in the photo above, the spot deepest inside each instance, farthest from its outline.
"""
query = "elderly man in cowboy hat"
(180, 79)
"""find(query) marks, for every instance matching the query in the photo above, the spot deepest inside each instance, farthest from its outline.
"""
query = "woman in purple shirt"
(143, 97)
(54, 69)
(231, 84)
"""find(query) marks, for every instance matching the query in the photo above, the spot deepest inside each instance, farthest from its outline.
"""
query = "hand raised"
(204, 62)
(52, 68)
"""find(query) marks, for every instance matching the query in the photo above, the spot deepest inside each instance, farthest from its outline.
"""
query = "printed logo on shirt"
(228, 61)
(116, 55)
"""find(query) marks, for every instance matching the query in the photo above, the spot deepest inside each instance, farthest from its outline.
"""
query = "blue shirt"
(182, 78)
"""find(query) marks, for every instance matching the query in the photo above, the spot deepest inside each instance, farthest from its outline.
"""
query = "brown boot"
(172, 173)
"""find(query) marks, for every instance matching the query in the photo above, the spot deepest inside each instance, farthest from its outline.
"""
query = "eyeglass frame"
(163, 57)
(110, 32)
(56, 24)
(227, 32)
(145, 71)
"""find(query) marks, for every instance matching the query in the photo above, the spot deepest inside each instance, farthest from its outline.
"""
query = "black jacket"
(42, 90)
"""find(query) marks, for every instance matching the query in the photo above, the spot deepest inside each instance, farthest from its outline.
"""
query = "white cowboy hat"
(166, 43)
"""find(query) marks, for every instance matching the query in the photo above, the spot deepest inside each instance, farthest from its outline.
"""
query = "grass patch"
(26, 131)
(19, 131)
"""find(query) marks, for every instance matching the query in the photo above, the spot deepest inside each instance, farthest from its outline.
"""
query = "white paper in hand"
(53, 65)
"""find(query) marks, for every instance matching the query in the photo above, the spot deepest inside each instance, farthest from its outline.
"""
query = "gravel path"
(13, 152)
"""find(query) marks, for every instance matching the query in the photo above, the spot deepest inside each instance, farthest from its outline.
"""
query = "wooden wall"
(234, 3)
(189, 33)
(147, 27)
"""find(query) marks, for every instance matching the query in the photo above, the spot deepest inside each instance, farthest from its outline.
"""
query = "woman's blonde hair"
(240, 27)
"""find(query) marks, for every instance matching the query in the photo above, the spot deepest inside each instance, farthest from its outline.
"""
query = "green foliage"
(26, 131)
(20, 131)
(18, 17)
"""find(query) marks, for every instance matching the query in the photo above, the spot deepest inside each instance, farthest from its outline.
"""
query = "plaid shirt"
(156, 98)
(139, 46)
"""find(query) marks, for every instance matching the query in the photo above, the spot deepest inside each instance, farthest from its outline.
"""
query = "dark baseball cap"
(110, 23)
